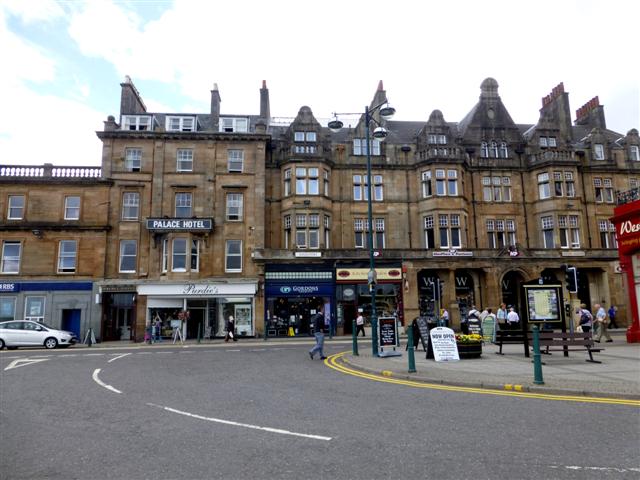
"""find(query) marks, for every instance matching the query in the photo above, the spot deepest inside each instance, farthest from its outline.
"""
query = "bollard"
(537, 363)
(412, 359)
(354, 338)
(199, 328)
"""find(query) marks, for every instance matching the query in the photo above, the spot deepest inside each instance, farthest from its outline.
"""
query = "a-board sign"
(443, 343)
(424, 332)
(388, 332)
(176, 323)
(388, 337)
(488, 328)
(474, 326)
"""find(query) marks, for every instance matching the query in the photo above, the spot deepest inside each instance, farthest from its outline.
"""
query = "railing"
(628, 196)
(49, 171)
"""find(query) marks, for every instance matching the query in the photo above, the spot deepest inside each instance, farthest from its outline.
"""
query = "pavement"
(618, 376)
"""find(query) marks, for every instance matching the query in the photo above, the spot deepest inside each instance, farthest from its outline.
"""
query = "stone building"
(53, 231)
(209, 215)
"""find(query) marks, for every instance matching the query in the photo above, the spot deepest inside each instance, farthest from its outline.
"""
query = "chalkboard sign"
(388, 332)
(424, 332)
(474, 326)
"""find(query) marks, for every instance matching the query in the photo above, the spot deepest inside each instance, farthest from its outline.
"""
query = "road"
(256, 410)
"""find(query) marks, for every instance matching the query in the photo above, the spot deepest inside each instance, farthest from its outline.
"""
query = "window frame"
(68, 208)
(598, 151)
(233, 124)
(139, 126)
(181, 121)
(8, 300)
(133, 159)
(228, 256)
(43, 307)
(64, 255)
(182, 163)
(634, 153)
(128, 206)
(239, 159)
(12, 209)
(183, 195)
(11, 260)
(123, 255)
(234, 200)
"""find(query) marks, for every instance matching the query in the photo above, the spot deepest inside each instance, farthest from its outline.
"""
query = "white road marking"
(93, 354)
(599, 469)
(233, 350)
(101, 383)
(243, 425)
(119, 356)
(68, 355)
(21, 362)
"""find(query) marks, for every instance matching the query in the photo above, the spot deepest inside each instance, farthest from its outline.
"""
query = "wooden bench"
(512, 337)
(567, 341)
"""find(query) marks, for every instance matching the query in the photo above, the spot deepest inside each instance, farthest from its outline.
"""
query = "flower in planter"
(471, 338)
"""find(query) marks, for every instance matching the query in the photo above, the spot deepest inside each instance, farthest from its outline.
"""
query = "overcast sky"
(63, 61)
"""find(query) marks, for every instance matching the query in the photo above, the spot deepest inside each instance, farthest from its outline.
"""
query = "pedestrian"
(501, 315)
(231, 330)
(472, 316)
(602, 321)
(444, 317)
(483, 314)
(158, 329)
(318, 322)
(360, 324)
(613, 310)
(415, 331)
(586, 319)
(513, 319)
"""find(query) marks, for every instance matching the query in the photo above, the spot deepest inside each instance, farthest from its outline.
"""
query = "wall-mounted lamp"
(37, 233)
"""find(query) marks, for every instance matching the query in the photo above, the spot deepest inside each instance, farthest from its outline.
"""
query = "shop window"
(11, 252)
(7, 308)
(34, 308)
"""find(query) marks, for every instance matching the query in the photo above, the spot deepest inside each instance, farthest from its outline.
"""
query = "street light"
(379, 133)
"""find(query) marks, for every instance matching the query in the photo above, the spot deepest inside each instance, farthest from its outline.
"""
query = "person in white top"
(602, 321)
(513, 319)
(360, 324)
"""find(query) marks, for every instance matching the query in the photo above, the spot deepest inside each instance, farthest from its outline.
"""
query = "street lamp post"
(386, 112)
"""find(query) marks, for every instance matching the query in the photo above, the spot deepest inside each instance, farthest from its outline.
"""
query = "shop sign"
(180, 224)
(308, 254)
(573, 253)
(117, 288)
(453, 253)
(299, 290)
(362, 274)
(198, 289)
(9, 287)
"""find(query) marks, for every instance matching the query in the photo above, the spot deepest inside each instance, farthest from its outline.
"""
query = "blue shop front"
(64, 305)
(295, 293)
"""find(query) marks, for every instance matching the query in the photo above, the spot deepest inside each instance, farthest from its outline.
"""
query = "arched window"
(484, 150)
(504, 151)
(494, 150)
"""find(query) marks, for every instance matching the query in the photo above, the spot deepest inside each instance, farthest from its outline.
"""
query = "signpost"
(387, 337)
(443, 343)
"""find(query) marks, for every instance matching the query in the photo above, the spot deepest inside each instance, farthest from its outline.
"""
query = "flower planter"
(470, 350)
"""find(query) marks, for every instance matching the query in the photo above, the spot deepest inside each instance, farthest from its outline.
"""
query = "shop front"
(199, 310)
(64, 305)
(353, 294)
(627, 222)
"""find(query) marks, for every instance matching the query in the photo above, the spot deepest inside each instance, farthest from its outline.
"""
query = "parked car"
(27, 333)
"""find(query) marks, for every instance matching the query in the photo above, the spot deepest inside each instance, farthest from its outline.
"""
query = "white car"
(27, 333)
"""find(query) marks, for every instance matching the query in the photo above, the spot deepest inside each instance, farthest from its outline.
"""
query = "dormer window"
(433, 139)
(598, 151)
(306, 138)
(136, 122)
(547, 142)
(634, 153)
(181, 124)
(231, 125)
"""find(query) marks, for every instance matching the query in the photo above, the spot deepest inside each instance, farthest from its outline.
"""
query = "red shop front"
(627, 221)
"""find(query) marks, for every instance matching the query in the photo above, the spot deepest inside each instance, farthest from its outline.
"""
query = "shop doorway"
(119, 319)
(464, 291)
(511, 283)
(427, 294)
(196, 322)
(71, 321)
(349, 314)
(584, 293)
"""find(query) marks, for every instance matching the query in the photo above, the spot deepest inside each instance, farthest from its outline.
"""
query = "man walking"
(602, 321)
(318, 324)
(513, 319)
(360, 323)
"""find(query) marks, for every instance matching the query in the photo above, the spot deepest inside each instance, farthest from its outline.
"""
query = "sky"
(63, 61)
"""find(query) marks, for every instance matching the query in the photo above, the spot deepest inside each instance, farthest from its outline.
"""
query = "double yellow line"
(335, 362)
